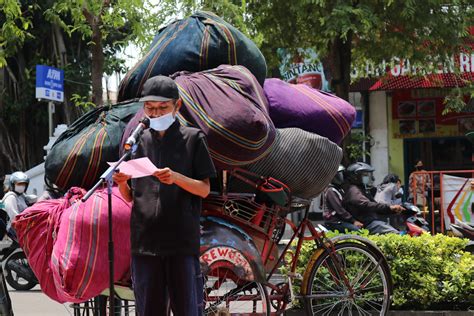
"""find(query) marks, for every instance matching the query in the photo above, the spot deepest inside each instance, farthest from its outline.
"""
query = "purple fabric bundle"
(228, 104)
(309, 109)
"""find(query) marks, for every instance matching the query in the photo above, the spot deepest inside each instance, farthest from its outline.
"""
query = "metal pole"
(111, 250)
(50, 117)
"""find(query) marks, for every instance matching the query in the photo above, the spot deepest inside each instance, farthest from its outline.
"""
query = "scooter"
(464, 230)
(16, 269)
(414, 221)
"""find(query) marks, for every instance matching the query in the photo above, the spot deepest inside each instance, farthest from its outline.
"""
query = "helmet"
(18, 177)
(338, 179)
(357, 171)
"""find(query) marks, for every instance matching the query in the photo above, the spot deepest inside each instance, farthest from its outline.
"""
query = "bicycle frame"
(324, 244)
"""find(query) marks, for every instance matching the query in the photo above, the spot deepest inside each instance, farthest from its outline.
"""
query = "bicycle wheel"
(226, 294)
(352, 280)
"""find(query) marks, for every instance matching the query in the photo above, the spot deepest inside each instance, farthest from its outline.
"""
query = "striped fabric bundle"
(199, 42)
(229, 106)
(297, 105)
(36, 228)
(304, 161)
(80, 154)
(79, 260)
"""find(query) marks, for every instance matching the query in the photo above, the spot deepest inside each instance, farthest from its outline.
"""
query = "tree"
(108, 26)
(347, 34)
(45, 32)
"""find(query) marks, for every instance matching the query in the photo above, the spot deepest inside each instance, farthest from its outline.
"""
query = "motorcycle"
(464, 230)
(16, 269)
(410, 221)
(413, 220)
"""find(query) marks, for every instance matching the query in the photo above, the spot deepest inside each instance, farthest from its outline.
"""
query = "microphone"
(132, 140)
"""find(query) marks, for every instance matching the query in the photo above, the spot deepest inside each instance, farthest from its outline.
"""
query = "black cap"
(159, 88)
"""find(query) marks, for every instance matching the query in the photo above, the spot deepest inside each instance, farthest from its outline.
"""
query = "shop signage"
(49, 83)
(461, 63)
(421, 115)
(304, 69)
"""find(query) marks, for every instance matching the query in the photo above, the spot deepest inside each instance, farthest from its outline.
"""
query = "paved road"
(34, 302)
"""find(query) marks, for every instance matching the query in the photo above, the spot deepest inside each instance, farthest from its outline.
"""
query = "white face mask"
(20, 188)
(365, 180)
(162, 123)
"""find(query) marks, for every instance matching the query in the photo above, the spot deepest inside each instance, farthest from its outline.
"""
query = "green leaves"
(14, 28)
(429, 272)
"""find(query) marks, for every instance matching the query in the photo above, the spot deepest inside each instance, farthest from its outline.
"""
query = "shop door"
(453, 153)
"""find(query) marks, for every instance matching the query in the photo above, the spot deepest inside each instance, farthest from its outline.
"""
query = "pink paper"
(137, 168)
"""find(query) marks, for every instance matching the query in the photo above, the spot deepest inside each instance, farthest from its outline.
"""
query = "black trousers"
(158, 280)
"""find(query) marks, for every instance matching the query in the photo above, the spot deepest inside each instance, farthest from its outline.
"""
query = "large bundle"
(304, 161)
(297, 105)
(80, 154)
(79, 262)
(36, 227)
(202, 41)
(229, 106)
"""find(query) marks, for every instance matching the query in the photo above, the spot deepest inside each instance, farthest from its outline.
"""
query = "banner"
(304, 68)
(458, 199)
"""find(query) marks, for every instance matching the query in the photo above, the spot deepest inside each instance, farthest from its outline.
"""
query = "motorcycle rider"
(334, 214)
(390, 190)
(15, 200)
(360, 203)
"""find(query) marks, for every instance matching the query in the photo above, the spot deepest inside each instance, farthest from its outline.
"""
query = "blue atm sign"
(49, 83)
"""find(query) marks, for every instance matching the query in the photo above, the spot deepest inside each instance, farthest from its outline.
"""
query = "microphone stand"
(106, 177)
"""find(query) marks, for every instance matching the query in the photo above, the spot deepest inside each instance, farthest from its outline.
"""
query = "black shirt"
(165, 218)
(362, 205)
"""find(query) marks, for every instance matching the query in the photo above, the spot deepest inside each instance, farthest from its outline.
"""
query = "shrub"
(428, 272)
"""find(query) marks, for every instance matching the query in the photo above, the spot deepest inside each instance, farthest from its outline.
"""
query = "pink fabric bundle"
(79, 261)
(36, 228)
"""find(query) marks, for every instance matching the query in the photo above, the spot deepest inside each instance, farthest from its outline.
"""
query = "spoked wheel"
(226, 294)
(350, 281)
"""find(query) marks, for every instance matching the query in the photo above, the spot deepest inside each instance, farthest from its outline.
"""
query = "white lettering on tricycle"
(231, 255)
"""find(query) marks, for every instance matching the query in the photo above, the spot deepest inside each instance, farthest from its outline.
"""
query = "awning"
(445, 80)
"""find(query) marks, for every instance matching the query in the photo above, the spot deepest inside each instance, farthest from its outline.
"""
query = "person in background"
(389, 191)
(15, 200)
(334, 214)
(360, 203)
(419, 185)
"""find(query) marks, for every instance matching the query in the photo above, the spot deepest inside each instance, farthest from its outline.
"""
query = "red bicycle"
(246, 275)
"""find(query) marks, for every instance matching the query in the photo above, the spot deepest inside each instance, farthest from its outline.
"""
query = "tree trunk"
(61, 57)
(97, 70)
(10, 158)
(341, 58)
(340, 66)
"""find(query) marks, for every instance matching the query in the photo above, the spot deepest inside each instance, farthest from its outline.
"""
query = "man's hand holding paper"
(135, 168)
(165, 175)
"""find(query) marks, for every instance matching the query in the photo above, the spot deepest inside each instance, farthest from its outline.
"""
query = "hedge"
(429, 272)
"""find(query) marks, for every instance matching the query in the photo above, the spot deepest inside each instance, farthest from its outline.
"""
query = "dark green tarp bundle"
(200, 42)
(80, 154)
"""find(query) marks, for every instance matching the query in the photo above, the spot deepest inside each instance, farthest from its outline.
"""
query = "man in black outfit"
(335, 215)
(360, 203)
(165, 231)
